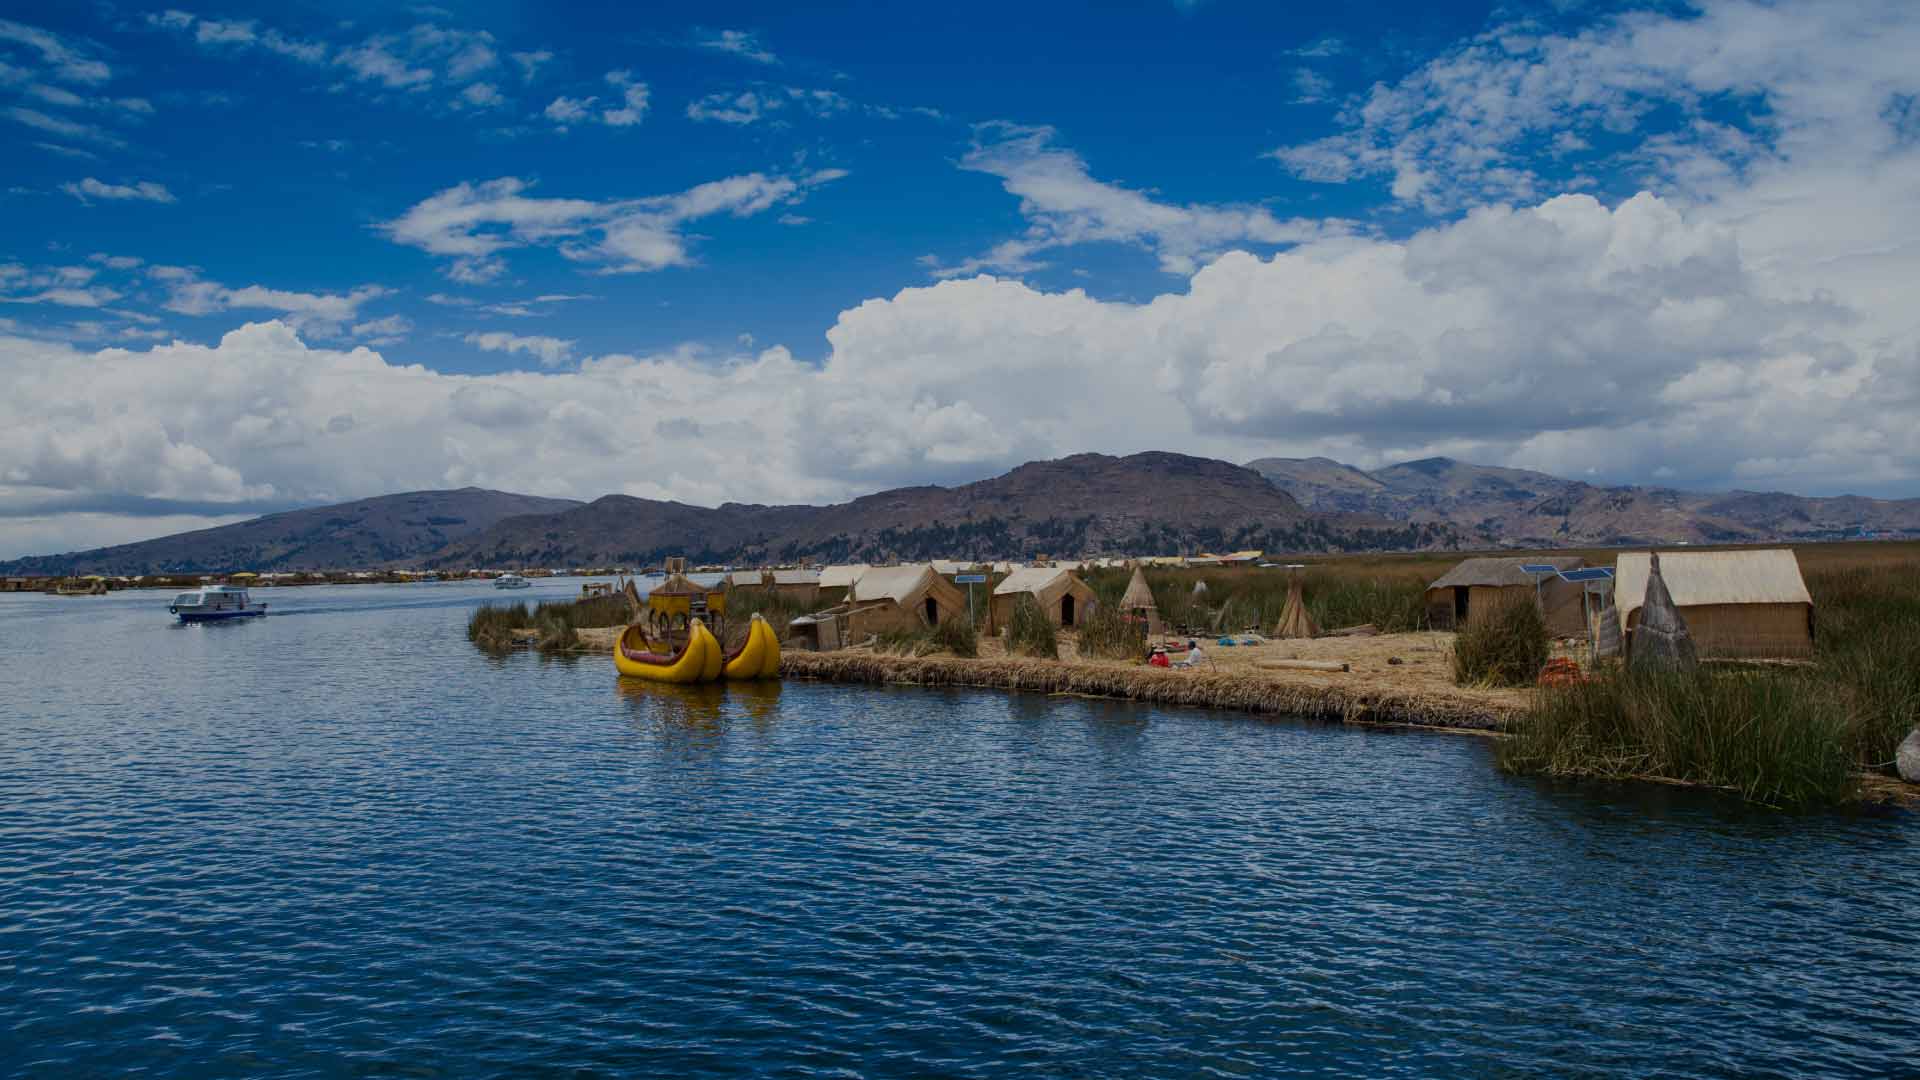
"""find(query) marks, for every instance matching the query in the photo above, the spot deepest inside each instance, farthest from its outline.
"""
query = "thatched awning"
(1501, 571)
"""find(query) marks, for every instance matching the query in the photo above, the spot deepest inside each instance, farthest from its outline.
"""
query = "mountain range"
(1159, 502)
(1152, 502)
(1498, 507)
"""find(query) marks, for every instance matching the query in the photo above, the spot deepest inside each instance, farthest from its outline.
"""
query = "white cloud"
(1799, 79)
(729, 107)
(633, 96)
(378, 59)
(481, 95)
(552, 352)
(72, 129)
(240, 34)
(566, 110)
(1565, 336)
(530, 63)
(63, 61)
(476, 222)
(739, 43)
(1310, 86)
(387, 331)
(1065, 205)
(139, 191)
(316, 314)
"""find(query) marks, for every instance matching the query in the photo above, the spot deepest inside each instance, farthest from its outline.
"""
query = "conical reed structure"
(1661, 641)
(1294, 620)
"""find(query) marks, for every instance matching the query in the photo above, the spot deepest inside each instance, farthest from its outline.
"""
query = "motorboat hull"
(218, 616)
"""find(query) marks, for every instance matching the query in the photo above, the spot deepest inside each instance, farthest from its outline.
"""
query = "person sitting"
(1158, 657)
(1194, 656)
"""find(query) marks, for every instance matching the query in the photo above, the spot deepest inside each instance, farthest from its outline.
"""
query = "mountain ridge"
(1496, 506)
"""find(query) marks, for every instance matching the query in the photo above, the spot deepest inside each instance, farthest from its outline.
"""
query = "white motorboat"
(215, 603)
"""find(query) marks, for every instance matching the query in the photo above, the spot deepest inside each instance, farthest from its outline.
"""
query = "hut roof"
(1695, 578)
(1502, 571)
(1137, 595)
(796, 577)
(896, 583)
(841, 577)
(744, 578)
(1030, 579)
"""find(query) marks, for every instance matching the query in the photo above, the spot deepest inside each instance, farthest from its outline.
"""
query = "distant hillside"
(383, 530)
(1518, 508)
(1152, 502)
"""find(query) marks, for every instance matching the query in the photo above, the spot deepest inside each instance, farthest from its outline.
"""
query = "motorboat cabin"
(212, 603)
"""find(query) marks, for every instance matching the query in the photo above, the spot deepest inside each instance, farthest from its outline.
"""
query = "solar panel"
(1590, 573)
(1539, 568)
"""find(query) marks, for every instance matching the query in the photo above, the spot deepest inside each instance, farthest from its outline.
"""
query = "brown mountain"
(1088, 503)
(384, 530)
(1496, 507)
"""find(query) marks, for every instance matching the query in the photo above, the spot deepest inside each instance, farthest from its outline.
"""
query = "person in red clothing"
(1158, 658)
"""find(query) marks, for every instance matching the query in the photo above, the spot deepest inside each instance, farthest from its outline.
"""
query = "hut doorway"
(1459, 605)
(933, 612)
(1066, 610)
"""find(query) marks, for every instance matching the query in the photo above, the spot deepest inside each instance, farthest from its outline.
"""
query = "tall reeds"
(1106, 633)
(1503, 645)
(1778, 740)
(1030, 632)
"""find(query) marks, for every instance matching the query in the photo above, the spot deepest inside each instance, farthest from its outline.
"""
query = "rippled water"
(339, 842)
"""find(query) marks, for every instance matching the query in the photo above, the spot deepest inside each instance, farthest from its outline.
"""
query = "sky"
(257, 257)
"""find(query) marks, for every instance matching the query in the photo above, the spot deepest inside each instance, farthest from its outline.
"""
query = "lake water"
(339, 842)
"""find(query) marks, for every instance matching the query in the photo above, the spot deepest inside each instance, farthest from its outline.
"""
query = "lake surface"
(339, 842)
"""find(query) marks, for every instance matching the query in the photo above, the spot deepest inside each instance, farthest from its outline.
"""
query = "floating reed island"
(1803, 692)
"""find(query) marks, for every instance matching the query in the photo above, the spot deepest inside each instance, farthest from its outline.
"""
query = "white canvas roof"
(796, 577)
(1697, 578)
(1033, 579)
(744, 578)
(896, 583)
(840, 577)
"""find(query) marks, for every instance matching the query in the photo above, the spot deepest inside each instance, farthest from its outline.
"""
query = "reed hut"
(835, 581)
(898, 598)
(1064, 597)
(1137, 603)
(801, 586)
(1486, 583)
(1746, 605)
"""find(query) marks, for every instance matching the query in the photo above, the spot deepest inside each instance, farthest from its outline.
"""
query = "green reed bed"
(1390, 595)
(1106, 633)
(1780, 735)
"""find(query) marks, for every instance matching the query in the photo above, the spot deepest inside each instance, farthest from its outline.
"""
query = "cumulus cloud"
(239, 34)
(476, 222)
(1568, 335)
(565, 110)
(1064, 205)
(738, 43)
(139, 191)
(750, 106)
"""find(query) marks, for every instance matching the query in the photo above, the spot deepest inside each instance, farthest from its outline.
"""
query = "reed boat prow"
(696, 661)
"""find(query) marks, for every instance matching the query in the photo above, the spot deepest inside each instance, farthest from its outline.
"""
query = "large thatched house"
(1736, 604)
(1484, 583)
(882, 599)
(1064, 598)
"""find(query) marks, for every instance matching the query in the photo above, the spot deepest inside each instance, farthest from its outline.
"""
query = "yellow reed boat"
(699, 660)
(758, 657)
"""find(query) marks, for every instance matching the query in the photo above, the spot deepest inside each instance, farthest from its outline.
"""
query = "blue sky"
(281, 170)
(1650, 243)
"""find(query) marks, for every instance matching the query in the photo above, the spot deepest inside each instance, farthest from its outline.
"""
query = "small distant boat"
(215, 603)
(511, 581)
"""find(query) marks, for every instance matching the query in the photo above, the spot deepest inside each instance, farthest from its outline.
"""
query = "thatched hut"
(1137, 603)
(1736, 604)
(802, 586)
(903, 598)
(1485, 583)
(835, 581)
(1064, 597)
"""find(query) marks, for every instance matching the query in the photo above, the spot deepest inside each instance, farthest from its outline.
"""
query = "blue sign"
(969, 579)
